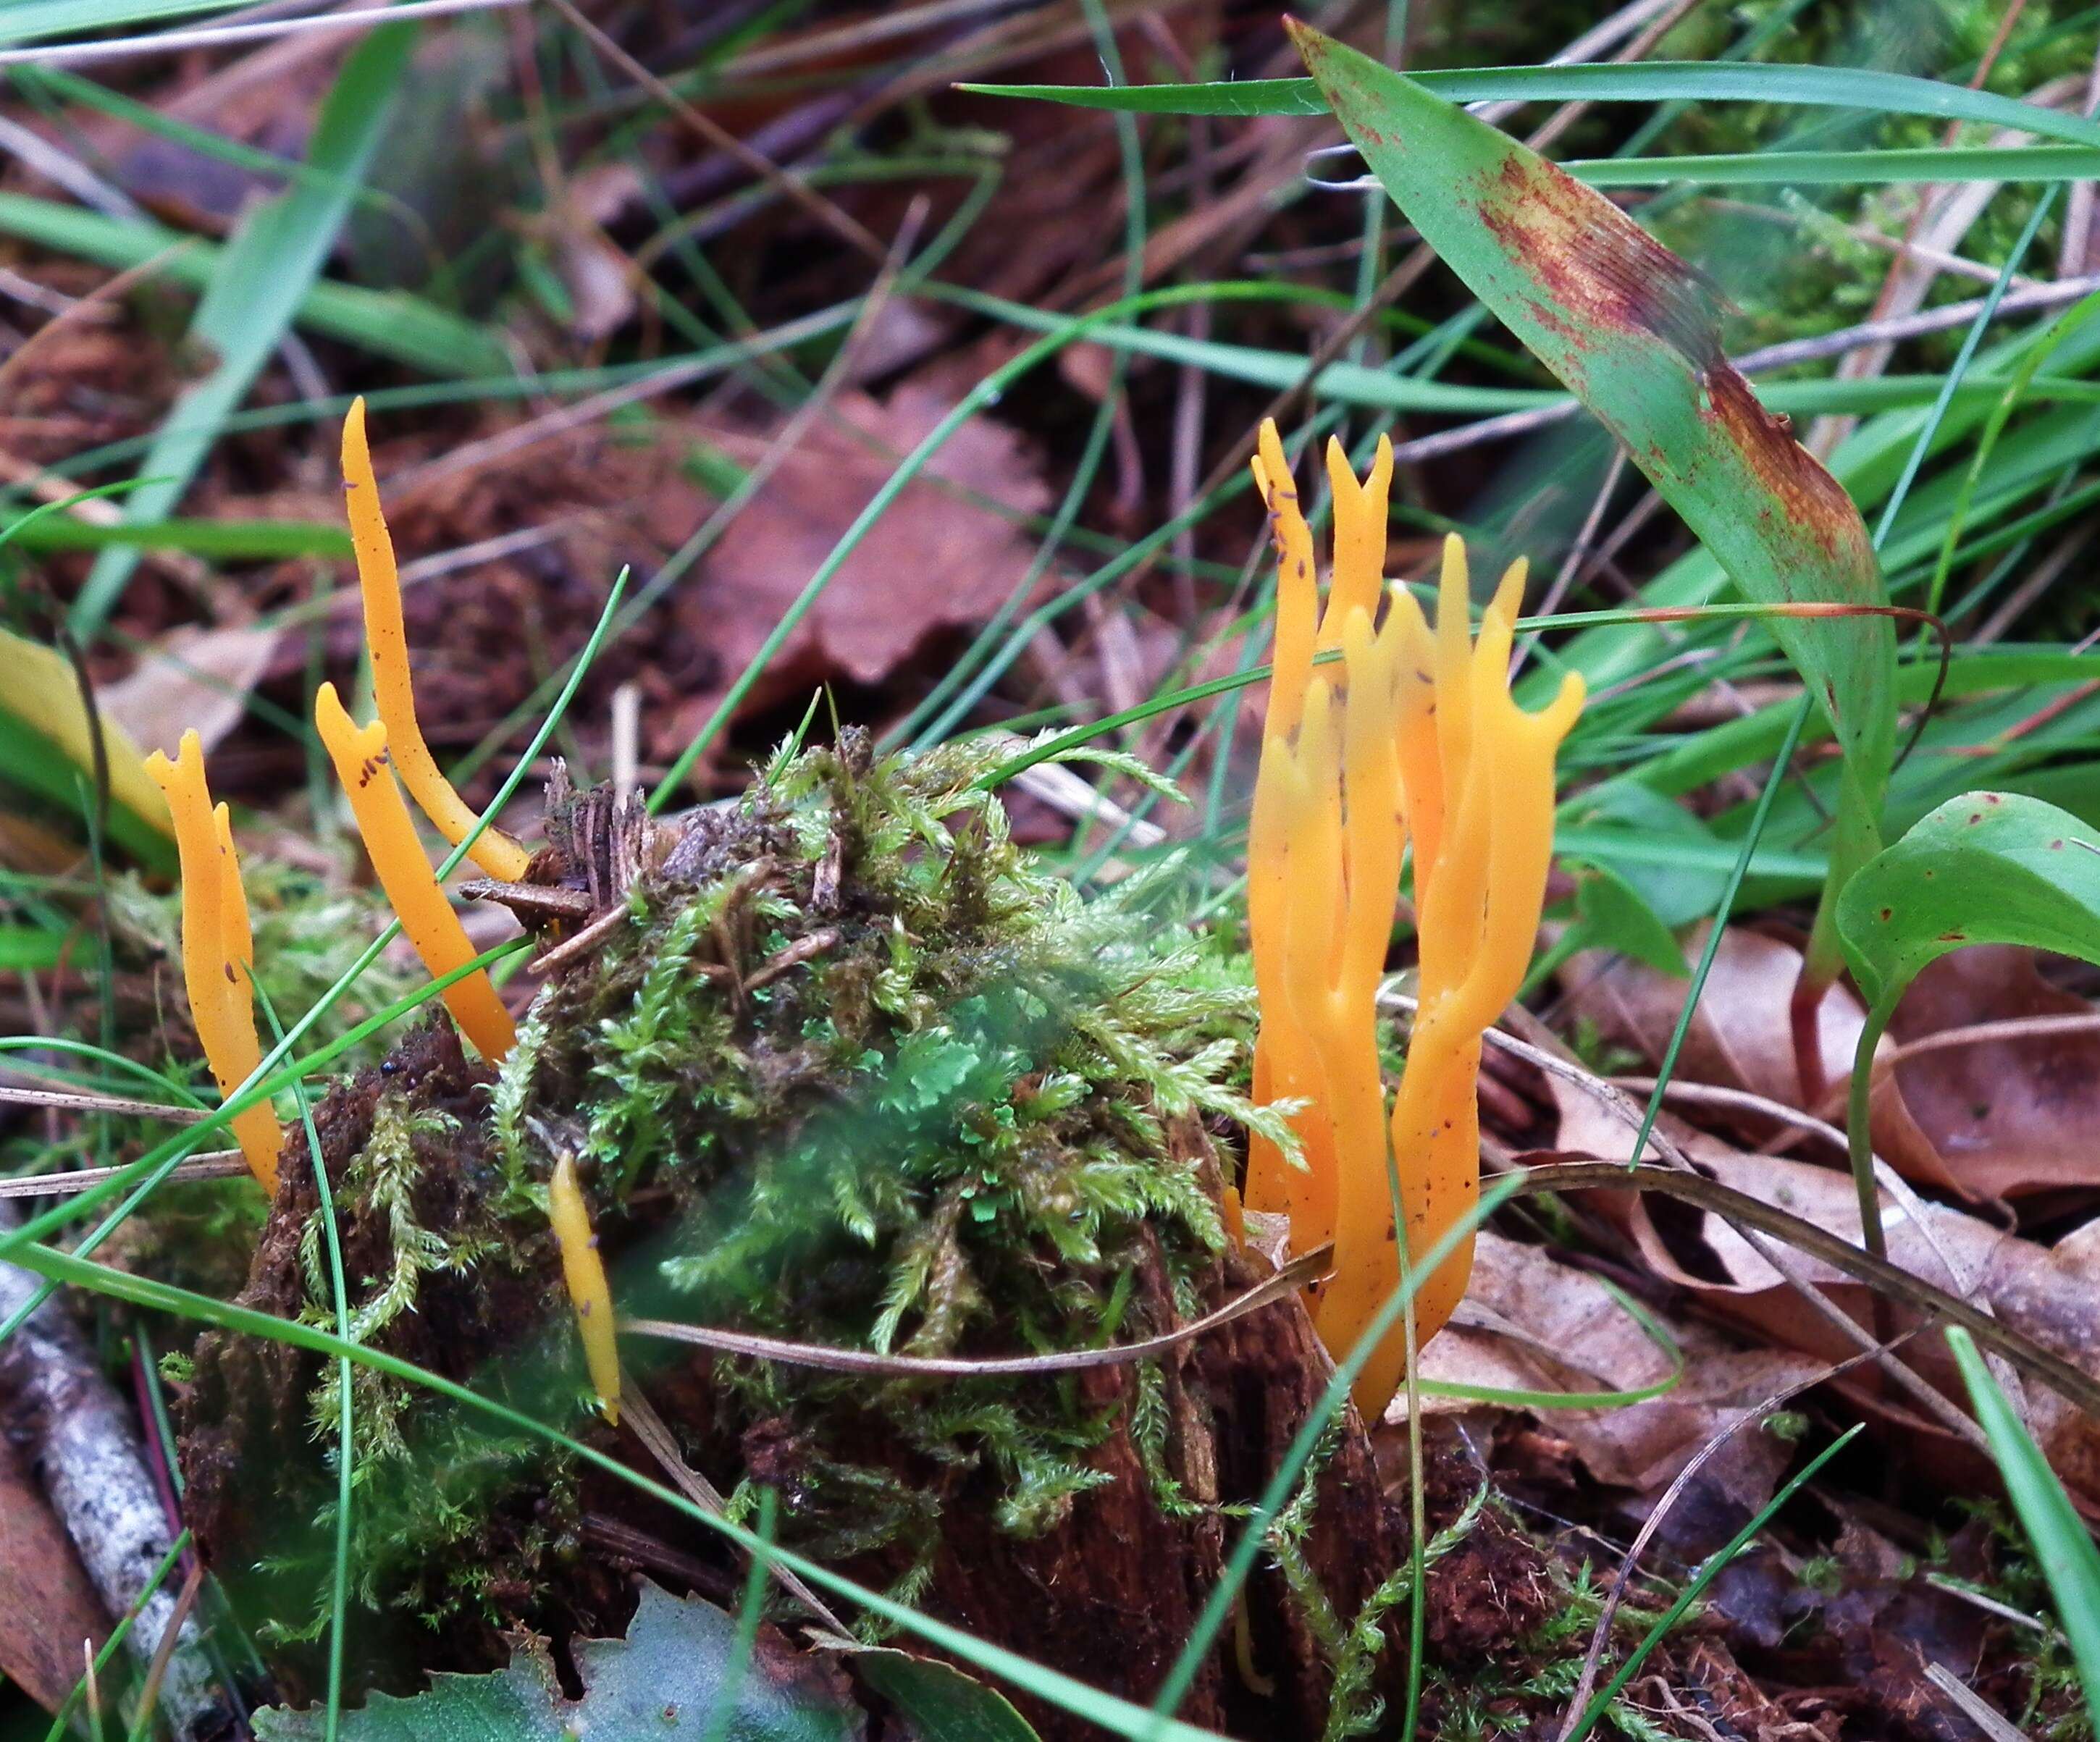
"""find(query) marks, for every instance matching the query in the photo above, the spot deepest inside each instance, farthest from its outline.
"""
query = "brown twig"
(1879, 1274)
(1297, 1274)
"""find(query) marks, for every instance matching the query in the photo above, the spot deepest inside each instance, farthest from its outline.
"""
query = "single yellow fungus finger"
(236, 932)
(215, 938)
(360, 755)
(584, 1272)
(386, 634)
(1297, 613)
(1375, 820)
(1307, 1057)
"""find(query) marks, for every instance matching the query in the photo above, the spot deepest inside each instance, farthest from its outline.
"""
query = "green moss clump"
(853, 1071)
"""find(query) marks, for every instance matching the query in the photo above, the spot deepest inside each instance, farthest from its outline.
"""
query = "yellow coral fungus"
(361, 764)
(218, 948)
(386, 633)
(1411, 738)
(584, 1271)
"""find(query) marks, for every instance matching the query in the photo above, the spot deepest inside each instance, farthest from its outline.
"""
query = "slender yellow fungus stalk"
(1413, 734)
(361, 764)
(218, 948)
(386, 633)
(584, 1270)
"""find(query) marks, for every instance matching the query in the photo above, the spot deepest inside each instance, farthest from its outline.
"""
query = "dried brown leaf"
(935, 561)
(2009, 1116)
(47, 1607)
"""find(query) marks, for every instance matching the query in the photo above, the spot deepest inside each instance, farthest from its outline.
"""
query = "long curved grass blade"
(1650, 82)
(2068, 1559)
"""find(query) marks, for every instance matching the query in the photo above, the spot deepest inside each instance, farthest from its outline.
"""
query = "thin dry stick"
(1980, 1034)
(1298, 1274)
(1578, 1701)
(82, 1438)
(218, 1164)
(73, 1100)
(650, 1429)
(219, 35)
(149, 1695)
(1978, 1710)
(1746, 1213)
(795, 188)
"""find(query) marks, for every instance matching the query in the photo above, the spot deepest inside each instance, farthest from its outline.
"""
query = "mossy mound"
(850, 1070)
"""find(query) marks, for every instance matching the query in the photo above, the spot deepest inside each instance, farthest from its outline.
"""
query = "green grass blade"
(2062, 1543)
(1650, 82)
(275, 257)
(29, 20)
(1707, 1574)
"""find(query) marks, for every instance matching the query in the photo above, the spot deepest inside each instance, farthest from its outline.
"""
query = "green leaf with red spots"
(1634, 332)
(1984, 868)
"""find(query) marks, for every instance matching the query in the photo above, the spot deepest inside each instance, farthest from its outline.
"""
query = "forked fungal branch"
(1411, 738)
(218, 948)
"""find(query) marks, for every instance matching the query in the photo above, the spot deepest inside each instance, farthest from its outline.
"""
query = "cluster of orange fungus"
(218, 947)
(386, 634)
(362, 764)
(1410, 738)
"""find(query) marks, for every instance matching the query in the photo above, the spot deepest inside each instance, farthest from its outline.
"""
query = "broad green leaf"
(943, 1704)
(1610, 914)
(47, 748)
(272, 261)
(1632, 330)
(2062, 1542)
(1651, 82)
(662, 1681)
(1985, 868)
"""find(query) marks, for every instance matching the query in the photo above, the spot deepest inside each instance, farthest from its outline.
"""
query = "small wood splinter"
(361, 763)
(218, 948)
(1412, 737)
(386, 634)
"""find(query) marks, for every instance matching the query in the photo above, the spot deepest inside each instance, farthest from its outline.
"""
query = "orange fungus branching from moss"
(1410, 737)
(218, 948)
(386, 633)
(361, 764)
(584, 1271)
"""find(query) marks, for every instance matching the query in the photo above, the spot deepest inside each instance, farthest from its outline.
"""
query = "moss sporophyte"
(1411, 738)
